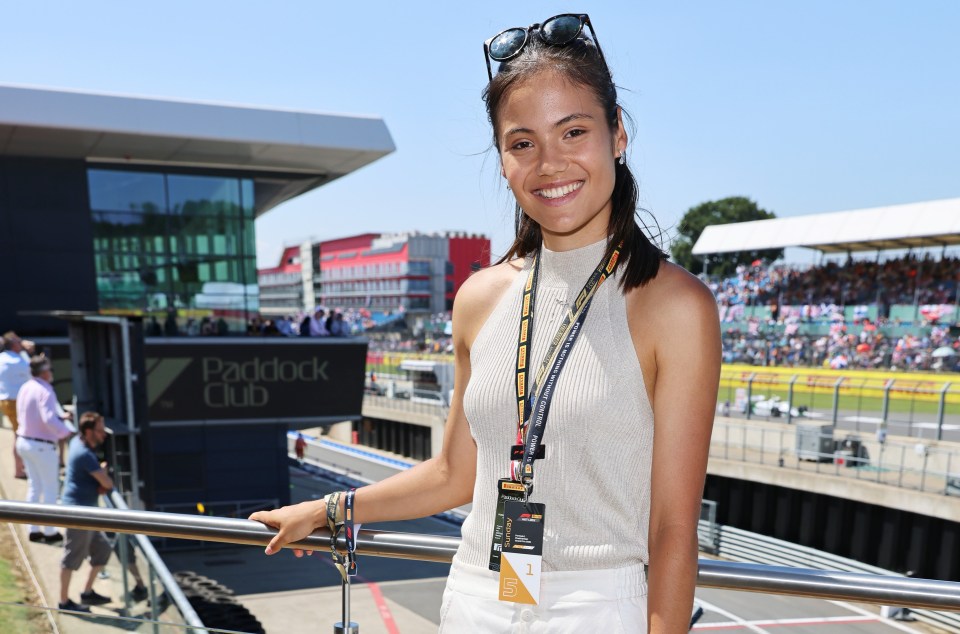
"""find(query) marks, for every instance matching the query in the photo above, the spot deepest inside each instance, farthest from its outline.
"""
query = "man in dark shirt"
(86, 479)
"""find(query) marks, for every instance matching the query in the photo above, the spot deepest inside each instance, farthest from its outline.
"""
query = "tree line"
(719, 212)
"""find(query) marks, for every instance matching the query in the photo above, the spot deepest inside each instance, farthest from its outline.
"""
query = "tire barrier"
(216, 604)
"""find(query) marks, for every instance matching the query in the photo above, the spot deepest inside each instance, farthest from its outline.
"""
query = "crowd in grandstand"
(838, 350)
(852, 302)
(906, 280)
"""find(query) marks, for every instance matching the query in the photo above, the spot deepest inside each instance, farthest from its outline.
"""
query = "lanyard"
(537, 405)
(351, 535)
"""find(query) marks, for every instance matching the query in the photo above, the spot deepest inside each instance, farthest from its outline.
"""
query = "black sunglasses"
(559, 30)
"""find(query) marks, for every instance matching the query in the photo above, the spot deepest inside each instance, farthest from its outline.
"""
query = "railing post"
(790, 403)
(124, 571)
(836, 399)
(883, 445)
(154, 613)
(902, 457)
(941, 409)
(763, 444)
(750, 394)
(885, 407)
(345, 625)
(743, 444)
(923, 474)
(946, 476)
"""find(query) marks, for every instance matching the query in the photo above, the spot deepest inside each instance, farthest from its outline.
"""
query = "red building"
(382, 273)
(282, 286)
(408, 272)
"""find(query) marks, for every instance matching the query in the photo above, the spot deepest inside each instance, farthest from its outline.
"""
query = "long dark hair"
(580, 64)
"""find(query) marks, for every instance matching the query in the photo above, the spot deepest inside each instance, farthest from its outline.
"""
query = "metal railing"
(158, 570)
(917, 466)
(918, 593)
(744, 546)
(920, 405)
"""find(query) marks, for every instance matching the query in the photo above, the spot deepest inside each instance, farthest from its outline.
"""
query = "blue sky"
(804, 107)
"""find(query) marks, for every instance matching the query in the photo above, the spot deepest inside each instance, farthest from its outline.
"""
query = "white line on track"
(864, 616)
(894, 624)
(823, 620)
(730, 615)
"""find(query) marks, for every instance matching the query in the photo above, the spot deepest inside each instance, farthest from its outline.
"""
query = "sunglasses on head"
(559, 30)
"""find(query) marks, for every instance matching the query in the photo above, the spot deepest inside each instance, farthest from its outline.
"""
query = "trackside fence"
(920, 405)
(924, 466)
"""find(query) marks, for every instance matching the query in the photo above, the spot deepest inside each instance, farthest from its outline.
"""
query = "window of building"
(175, 241)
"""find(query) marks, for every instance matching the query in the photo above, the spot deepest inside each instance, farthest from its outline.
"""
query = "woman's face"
(558, 156)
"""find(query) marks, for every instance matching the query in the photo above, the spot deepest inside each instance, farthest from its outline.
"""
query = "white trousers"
(42, 462)
(611, 601)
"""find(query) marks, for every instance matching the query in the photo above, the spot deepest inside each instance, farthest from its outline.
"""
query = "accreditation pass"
(522, 552)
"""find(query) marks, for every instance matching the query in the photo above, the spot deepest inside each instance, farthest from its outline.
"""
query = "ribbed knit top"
(595, 477)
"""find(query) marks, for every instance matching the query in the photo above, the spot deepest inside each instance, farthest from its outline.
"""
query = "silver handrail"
(825, 584)
(170, 584)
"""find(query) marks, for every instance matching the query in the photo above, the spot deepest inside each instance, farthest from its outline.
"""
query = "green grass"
(14, 619)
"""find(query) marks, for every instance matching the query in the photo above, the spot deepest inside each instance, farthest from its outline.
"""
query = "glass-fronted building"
(146, 207)
(165, 241)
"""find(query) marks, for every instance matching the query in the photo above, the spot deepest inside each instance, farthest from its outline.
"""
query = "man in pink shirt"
(40, 429)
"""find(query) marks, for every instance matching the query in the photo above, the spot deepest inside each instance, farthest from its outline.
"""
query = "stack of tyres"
(216, 604)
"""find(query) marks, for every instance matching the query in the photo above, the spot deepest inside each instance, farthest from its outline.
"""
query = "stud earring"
(623, 159)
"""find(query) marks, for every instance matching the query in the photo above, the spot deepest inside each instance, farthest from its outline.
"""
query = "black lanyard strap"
(535, 403)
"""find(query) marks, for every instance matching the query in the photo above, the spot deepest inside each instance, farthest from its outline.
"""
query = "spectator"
(335, 324)
(153, 327)
(14, 372)
(87, 478)
(299, 447)
(305, 326)
(170, 327)
(317, 326)
(284, 326)
(41, 427)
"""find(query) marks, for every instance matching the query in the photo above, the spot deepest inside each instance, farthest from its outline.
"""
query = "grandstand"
(899, 313)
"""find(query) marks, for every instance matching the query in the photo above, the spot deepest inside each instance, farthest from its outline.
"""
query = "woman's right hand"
(293, 523)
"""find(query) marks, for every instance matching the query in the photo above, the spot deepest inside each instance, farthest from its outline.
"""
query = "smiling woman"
(564, 525)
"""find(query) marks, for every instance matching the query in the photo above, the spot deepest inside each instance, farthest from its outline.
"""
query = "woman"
(639, 358)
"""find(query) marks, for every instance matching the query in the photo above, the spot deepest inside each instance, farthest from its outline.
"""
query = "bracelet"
(332, 502)
(351, 534)
(334, 515)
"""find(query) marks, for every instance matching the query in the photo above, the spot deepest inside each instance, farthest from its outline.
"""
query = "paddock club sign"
(247, 379)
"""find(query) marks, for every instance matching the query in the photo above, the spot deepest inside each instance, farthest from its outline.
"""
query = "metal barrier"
(916, 406)
(744, 546)
(941, 595)
(158, 570)
(916, 466)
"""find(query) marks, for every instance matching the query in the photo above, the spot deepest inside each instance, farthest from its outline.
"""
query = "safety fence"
(908, 404)
(919, 466)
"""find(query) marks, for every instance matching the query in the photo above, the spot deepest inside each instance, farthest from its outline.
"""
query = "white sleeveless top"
(595, 477)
